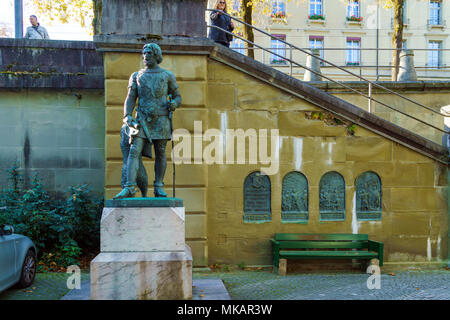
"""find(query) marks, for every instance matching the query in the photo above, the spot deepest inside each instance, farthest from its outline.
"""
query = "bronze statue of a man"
(158, 95)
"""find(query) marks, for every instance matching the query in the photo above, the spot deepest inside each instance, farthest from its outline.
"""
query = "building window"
(236, 5)
(435, 12)
(315, 8)
(316, 42)
(353, 51)
(279, 48)
(434, 56)
(405, 16)
(238, 46)
(405, 44)
(353, 9)
(278, 9)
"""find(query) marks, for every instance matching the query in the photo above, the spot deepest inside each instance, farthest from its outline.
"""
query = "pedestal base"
(142, 276)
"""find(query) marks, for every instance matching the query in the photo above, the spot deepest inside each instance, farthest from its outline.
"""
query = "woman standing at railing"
(221, 21)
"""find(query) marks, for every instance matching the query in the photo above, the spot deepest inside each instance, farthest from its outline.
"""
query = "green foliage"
(317, 115)
(82, 12)
(351, 129)
(61, 230)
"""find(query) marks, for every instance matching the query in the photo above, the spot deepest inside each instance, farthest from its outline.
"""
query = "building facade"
(355, 34)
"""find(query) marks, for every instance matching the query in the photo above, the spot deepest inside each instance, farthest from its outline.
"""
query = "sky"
(55, 29)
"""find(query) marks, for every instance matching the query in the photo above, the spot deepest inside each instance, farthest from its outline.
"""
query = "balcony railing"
(436, 23)
(405, 22)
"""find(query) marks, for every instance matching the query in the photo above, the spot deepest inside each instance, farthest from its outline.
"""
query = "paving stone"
(265, 285)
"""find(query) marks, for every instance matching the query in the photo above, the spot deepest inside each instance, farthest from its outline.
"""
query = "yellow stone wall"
(414, 223)
(433, 99)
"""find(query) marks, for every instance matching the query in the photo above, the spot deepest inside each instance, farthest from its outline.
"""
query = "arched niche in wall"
(332, 197)
(294, 198)
(368, 196)
(257, 204)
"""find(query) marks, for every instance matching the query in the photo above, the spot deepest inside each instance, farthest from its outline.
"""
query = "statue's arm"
(130, 101)
(174, 92)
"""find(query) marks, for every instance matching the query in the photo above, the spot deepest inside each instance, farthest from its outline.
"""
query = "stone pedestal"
(143, 251)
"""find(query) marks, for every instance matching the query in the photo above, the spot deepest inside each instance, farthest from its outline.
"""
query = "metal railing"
(406, 22)
(360, 66)
(436, 23)
(292, 63)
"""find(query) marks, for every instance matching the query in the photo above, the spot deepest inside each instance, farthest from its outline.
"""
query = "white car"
(17, 259)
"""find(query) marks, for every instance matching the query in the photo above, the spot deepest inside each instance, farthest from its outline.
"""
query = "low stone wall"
(52, 112)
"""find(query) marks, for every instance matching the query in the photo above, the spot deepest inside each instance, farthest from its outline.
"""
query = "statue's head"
(152, 54)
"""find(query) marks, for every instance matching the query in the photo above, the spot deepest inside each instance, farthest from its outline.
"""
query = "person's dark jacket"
(221, 21)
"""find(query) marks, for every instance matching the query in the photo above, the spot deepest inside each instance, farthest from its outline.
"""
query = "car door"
(7, 260)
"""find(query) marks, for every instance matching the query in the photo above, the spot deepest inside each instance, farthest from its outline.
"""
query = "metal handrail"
(338, 83)
(369, 49)
(334, 65)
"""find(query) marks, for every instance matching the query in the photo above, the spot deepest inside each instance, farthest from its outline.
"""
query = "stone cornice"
(55, 64)
(169, 45)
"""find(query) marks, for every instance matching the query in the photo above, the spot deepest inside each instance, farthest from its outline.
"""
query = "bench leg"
(282, 267)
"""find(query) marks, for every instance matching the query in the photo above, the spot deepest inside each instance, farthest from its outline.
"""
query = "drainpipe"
(18, 13)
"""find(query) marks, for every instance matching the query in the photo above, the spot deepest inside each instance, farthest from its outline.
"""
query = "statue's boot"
(159, 191)
(127, 192)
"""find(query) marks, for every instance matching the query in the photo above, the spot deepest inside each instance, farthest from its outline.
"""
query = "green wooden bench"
(325, 246)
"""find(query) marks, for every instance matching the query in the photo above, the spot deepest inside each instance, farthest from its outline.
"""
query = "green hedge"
(62, 230)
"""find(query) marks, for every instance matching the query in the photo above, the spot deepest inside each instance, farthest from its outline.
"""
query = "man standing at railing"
(221, 21)
(36, 31)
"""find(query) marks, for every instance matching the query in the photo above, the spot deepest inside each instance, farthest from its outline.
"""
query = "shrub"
(61, 230)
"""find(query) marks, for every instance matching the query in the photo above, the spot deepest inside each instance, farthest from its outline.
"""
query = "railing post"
(290, 57)
(370, 97)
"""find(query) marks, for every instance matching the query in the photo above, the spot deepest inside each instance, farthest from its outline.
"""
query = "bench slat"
(323, 244)
(329, 254)
(319, 236)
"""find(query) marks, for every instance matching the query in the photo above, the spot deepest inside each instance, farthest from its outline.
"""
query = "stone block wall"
(154, 17)
(52, 112)
(56, 134)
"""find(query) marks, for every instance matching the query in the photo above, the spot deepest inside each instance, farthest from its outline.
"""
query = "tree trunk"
(96, 22)
(397, 37)
(247, 7)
